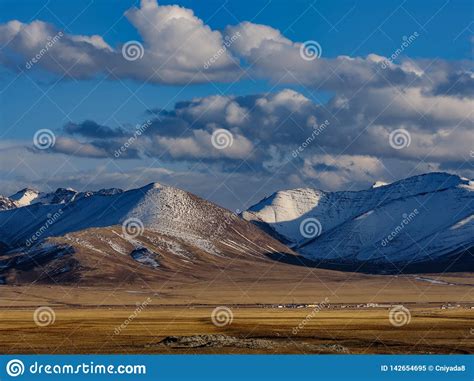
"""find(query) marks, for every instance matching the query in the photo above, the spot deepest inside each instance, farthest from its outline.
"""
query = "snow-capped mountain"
(28, 196)
(6, 203)
(423, 220)
(423, 223)
(157, 227)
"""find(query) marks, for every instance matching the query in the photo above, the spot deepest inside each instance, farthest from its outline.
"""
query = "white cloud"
(77, 56)
(255, 38)
(199, 146)
(337, 172)
(267, 128)
(170, 37)
(179, 48)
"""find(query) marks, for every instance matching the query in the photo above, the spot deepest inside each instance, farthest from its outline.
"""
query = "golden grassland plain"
(96, 330)
(149, 319)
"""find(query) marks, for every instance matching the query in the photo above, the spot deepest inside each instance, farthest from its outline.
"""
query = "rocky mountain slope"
(421, 223)
(110, 236)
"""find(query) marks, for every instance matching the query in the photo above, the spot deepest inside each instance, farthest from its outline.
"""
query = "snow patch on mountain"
(25, 196)
(421, 218)
(378, 184)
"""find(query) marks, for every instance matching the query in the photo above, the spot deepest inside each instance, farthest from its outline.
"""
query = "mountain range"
(420, 224)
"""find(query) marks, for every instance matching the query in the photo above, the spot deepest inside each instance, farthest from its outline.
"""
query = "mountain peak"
(25, 196)
(24, 191)
(59, 190)
(153, 186)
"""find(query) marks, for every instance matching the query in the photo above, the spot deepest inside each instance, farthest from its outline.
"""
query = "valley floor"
(309, 317)
(253, 330)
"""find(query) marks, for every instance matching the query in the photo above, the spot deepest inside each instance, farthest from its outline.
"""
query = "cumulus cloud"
(286, 131)
(92, 149)
(460, 84)
(39, 44)
(271, 55)
(170, 35)
(200, 146)
(338, 171)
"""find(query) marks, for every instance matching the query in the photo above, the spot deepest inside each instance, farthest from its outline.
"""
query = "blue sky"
(43, 98)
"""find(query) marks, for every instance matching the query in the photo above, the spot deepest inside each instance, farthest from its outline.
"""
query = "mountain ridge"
(353, 227)
(409, 225)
